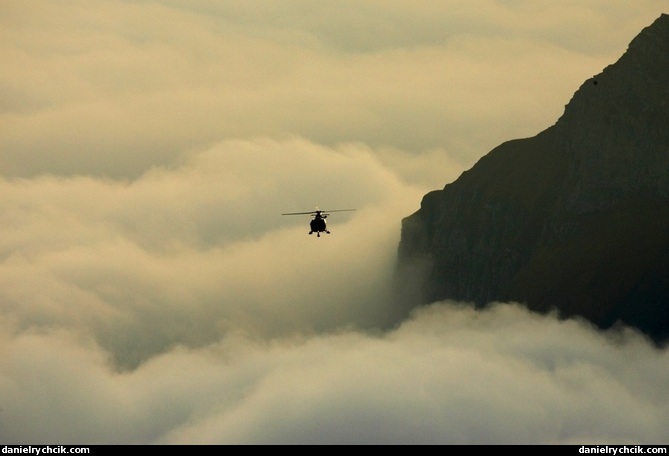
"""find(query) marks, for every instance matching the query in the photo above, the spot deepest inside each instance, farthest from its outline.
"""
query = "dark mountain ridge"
(574, 219)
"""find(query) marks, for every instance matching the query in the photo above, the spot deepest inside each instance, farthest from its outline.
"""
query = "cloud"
(449, 375)
(114, 88)
(184, 254)
(150, 290)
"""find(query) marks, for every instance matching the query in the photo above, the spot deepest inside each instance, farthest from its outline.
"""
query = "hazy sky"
(150, 290)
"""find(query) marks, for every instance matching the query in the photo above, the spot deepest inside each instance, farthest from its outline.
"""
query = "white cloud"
(450, 375)
(184, 255)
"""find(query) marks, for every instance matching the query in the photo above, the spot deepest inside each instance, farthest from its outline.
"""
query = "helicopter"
(318, 224)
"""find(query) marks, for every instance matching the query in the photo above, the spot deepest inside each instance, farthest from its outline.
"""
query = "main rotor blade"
(315, 212)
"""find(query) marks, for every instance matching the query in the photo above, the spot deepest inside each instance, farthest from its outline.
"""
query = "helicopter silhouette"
(318, 224)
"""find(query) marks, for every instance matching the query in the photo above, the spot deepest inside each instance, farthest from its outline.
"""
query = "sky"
(151, 292)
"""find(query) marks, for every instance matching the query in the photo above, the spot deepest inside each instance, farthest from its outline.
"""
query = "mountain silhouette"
(574, 220)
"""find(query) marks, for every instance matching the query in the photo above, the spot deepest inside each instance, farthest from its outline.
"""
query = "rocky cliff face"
(574, 219)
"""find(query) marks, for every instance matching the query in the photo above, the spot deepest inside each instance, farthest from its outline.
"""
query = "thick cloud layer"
(186, 255)
(150, 290)
(449, 375)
